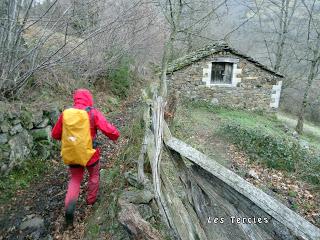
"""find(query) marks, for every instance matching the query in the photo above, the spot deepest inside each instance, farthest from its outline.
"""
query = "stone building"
(223, 76)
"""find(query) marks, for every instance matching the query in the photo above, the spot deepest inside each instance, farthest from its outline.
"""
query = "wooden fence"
(201, 199)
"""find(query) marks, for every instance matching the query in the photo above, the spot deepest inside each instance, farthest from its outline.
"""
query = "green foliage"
(274, 149)
(26, 118)
(21, 177)
(120, 78)
(45, 149)
(93, 230)
(261, 135)
(295, 206)
(292, 194)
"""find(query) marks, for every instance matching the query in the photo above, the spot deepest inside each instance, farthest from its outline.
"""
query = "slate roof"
(216, 46)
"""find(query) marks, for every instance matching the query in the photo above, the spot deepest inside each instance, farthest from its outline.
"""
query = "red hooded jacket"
(82, 98)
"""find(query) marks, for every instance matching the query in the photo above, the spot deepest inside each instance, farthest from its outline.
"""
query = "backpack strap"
(88, 109)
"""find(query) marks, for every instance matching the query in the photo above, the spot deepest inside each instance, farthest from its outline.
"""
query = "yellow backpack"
(76, 141)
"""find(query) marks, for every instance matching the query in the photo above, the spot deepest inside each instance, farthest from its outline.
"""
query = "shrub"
(275, 150)
(120, 78)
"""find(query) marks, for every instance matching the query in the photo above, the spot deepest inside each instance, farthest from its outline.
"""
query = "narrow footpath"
(38, 211)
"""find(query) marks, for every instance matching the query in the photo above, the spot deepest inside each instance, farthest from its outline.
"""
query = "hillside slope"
(203, 127)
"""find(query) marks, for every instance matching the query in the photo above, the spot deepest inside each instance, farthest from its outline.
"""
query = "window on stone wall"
(221, 72)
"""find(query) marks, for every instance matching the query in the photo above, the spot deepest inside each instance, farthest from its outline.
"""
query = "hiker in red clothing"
(83, 100)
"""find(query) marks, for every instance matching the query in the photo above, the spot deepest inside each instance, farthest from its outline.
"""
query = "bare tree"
(36, 37)
(313, 54)
(275, 19)
(19, 59)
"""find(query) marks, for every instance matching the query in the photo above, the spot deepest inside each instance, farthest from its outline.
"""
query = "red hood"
(82, 97)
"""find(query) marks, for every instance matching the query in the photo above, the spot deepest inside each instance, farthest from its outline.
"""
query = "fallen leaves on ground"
(291, 191)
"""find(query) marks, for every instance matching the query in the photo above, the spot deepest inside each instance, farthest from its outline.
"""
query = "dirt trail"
(43, 202)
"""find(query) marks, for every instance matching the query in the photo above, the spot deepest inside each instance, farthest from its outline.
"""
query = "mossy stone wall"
(24, 132)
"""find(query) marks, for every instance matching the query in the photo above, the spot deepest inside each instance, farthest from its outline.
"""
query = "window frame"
(226, 60)
(223, 75)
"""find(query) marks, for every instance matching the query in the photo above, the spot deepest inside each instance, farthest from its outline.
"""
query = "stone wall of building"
(253, 91)
(24, 133)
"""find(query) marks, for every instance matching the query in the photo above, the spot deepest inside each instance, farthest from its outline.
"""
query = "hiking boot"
(70, 213)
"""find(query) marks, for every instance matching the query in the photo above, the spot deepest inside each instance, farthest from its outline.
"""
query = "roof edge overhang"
(179, 63)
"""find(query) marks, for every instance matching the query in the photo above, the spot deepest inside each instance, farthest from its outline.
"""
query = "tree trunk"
(312, 74)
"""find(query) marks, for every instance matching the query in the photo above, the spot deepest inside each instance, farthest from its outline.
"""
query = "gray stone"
(304, 144)
(26, 118)
(49, 237)
(29, 217)
(43, 151)
(13, 114)
(42, 134)
(16, 129)
(122, 234)
(132, 179)
(1, 116)
(286, 128)
(5, 126)
(20, 146)
(35, 235)
(3, 138)
(145, 211)
(252, 173)
(28, 126)
(295, 135)
(137, 197)
(4, 168)
(53, 114)
(214, 101)
(37, 117)
(16, 121)
(35, 223)
(43, 123)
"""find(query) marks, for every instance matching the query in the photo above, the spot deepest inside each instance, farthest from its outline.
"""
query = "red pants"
(76, 176)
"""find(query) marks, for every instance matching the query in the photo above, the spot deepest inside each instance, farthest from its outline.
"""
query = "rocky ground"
(38, 212)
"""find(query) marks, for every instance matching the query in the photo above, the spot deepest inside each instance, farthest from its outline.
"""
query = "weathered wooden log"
(143, 151)
(218, 214)
(281, 216)
(157, 121)
(208, 205)
(154, 148)
(166, 132)
(130, 218)
(185, 221)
